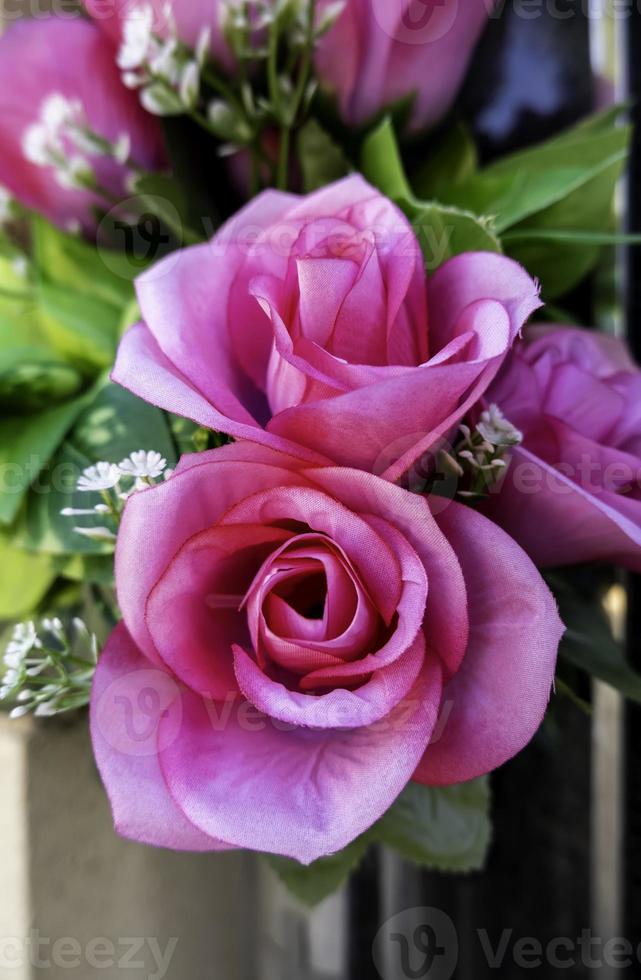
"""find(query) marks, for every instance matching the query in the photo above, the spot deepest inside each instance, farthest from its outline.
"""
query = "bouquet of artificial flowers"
(289, 442)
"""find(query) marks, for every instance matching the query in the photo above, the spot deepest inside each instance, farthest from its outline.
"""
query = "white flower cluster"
(6, 209)
(62, 138)
(481, 456)
(140, 469)
(42, 674)
(166, 71)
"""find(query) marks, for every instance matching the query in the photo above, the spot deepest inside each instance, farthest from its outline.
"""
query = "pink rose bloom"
(308, 322)
(291, 636)
(573, 490)
(53, 68)
(381, 51)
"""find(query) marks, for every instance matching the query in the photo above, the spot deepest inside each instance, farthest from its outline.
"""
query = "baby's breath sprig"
(48, 669)
(62, 139)
(115, 483)
(481, 456)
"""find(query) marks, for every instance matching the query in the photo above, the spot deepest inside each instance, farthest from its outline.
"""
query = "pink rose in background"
(291, 635)
(573, 490)
(381, 51)
(51, 70)
(308, 322)
(188, 17)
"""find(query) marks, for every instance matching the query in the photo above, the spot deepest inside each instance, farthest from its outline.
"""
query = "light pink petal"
(143, 369)
(558, 522)
(297, 792)
(494, 704)
(193, 612)
(339, 708)
(409, 513)
(157, 522)
(372, 557)
(473, 276)
(128, 699)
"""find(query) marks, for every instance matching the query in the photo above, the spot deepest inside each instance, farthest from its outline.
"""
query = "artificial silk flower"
(573, 490)
(298, 643)
(307, 324)
(68, 126)
(381, 51)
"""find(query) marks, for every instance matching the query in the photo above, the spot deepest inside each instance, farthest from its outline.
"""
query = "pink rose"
(291, 635)
(307, 322)
(573, 490)
(381, 51)
(55, 68)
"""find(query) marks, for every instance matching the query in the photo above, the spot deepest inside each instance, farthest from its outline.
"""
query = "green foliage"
(443, 231)
(550, 201)
(589, 643)
(24, 580)
(113, 424)
(448, 164)
(321, 160)
(443, 828)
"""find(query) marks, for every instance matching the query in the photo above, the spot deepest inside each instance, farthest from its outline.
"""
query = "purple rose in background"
(381, 51)
(573, 490)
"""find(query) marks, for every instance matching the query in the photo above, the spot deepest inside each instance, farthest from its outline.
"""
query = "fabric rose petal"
(383, 51)
(308, 322)
(291, 635)
(573, 490)
(69, 66)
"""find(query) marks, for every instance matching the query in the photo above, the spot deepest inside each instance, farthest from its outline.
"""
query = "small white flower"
(143, 464)
(5, 205)
(23, 639)
(57, 112)
(18, 712)
(19, 265)
(76, 174)
(35, 145)
(102, 476)
(73, 226)
(96, 533)
(497, 430)
(166, 62)
(160, 101)
(137, 38)
(133, 79)
(46, 709)
(190, 84)
(122, 148)
(202, 45)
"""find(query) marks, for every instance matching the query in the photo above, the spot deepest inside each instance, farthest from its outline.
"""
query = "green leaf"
(40, 526)
(444, 231)
(24, 580)
(69, 262)
(322, 161)
(589, 643)
(26, 446)
(83, 328)
(445, 828)
(112, 424)
(450, 163)
(381, 162)
(31, 380)
(312, 883)
(164, 197)
(98, 569)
